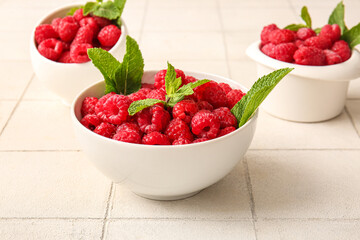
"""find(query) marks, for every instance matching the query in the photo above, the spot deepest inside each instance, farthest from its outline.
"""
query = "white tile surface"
(354, 89)
(133, 18)
(182, 3)
(6, 107)
(238, 41)
(353, 107)
(254, 3)
(37, 91)
(244, 72)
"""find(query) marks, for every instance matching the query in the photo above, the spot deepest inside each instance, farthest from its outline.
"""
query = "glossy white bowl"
(163, 172)
(66, 80)
(308, 93)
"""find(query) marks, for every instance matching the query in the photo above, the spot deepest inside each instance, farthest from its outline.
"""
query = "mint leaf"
(295, 27)
(171, 82)
(306, 16)
(337, 17)
(107, 65)
(73, 10)
(352, 37)
(120, 4)
(245, 108)
(90, 7)
(107, 10)
(128, 75)
(137, 106)
(317, 30)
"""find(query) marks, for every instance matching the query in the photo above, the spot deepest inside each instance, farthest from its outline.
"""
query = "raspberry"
(105, 129)
(204, 105)
(153, 119)
(226, 130)
(177, 128)
(43, 32)
(310, 56)
(109, 35)
(78, 52)
(268, 50)
(332, 57)
(90, 121)
(55, 23)
(84, 35)
(157, 94)
(114, 109)
(212, 93)
(198, 140)
(160, 78)
(65, 57)
(90, 22)
(128, 136)
(265, 33)
(342, 48)
(68, 28)
(51, 49)
(79, 14)
(226, 87)
(128, 126)
(205, 124)
(140, 95)
(227, 119)
(147, 85)
(281, 36)
(318, 42)
(234, 96)
(284, 52)
(188, 79)
(181, 141)
(305, 33)
(102, 100)
(155, 138)
(88, 106)
(185, 110)
(66, 46)
(101, 22)
(332, 32)
(299, 43)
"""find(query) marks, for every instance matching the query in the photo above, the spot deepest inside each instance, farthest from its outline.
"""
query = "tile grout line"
(305, 149)
(293, 9)
(352, 121)
(107, 211)
(143, 21)
(17, 103)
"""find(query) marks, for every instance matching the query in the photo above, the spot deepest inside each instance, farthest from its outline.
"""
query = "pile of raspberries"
(304, 46)
(199, 117)
(67, 39)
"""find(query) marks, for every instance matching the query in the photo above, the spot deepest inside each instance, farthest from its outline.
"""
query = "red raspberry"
(101, 22)
(155, 138)
(140, 95)
(79, 14)
(105, 129)
(66, 46)
(268, 50)
(88, 106)
(188, 79)
(153, 119)
(212, 93)
(114, 110)
(226, 87)
(318, 42)
(284, 52)
(147, 85)
(310, 56)
(128, 136)
(78, 52)
(102, 100)
(157, 94)
(333, 32)
(265, 33)
(84, 35)
(281, 36)
(160, 78)
(90, 121)
(177, 128)
(181, 141)
(227, 119)
(90, 22)
(43, 32)
(234, 96)
(109, 35)
(129, 126)
(305, 33)
(198, 140)
(65, 57)
(185, 110)
(55, 23)
(225, 131)
(204, 105)
(342, 48)
(51, 49)
(299, 43)
(68, 28)
(205, 124)
(332, 57)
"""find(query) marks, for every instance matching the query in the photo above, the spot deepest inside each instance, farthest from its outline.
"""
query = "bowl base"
(167, 198)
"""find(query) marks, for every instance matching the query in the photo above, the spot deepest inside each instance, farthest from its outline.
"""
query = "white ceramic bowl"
(66, 80)
(163, 172)
(308, 93)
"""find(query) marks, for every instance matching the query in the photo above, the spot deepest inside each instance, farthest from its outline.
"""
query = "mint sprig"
(338, 17)
(305, 16)
(245, 108)
(137, 106)
(122, 78)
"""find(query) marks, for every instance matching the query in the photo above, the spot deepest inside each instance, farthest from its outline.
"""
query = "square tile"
(353, 107)
(133, 18)
(354, 89)
(38, 125)
(6, 108)
(227, 199)
(15, 46)
(51, 184)
(257, 3)
(179, 229)
(274, 133)
(182, 4)
(305, 184)
(38, 91)
(54, 229)
(244, 72)
(237, 42)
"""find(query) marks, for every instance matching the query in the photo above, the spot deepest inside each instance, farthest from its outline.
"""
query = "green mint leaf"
(175, 98)
(137, 106)
(295, 27)
(107, 10)
(352, 37)
(120, 4)
(171, 82)
(107, 65)
(337, 17)
(317, 30)
(197, 83)
(90, 7)
(245, 108)
(73, 10)
(306, 16)
(128, 75)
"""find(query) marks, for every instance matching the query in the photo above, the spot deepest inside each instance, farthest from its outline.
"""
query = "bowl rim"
(77, 123)
(33, 47)
(345, 71)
